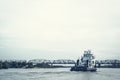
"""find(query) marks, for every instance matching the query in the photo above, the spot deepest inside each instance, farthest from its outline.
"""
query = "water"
(59, 74)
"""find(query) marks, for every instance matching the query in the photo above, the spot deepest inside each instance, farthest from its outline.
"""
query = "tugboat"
(86, 63)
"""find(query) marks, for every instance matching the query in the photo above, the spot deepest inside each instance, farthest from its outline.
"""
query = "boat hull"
(82, 69)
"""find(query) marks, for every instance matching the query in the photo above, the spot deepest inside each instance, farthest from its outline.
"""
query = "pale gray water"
(59, 74)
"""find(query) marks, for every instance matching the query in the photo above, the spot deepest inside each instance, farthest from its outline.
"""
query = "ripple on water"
(59, 74)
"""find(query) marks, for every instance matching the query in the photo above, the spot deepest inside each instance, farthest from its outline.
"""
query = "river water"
(59, 74)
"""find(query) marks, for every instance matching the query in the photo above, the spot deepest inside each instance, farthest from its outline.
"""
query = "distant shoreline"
(48, 64)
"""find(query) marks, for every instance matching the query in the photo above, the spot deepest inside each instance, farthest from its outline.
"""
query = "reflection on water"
(59, 74)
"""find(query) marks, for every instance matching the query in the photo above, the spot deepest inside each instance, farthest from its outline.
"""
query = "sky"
(59, 29)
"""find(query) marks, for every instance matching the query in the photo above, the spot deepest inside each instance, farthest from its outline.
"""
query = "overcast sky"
(59, 29)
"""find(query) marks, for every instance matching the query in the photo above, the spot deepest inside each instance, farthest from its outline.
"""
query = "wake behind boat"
(86, 63)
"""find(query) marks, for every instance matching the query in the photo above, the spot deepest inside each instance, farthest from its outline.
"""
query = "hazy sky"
(58, 29)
